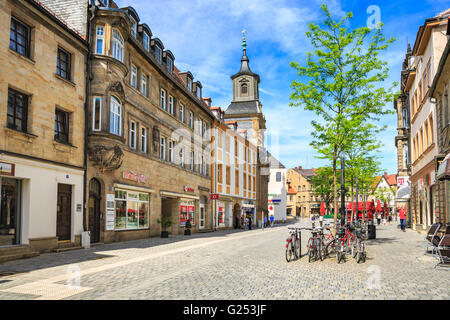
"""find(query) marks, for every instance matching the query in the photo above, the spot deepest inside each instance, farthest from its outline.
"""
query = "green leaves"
(341, 82)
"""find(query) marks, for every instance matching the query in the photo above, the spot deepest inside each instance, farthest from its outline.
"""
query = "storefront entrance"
(94, 209)
(64, 212)
(10, 208)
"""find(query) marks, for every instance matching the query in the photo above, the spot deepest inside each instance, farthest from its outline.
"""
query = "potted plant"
(165, 223)
(188, 226)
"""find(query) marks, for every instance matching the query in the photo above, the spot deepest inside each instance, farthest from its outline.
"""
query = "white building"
(277, 189)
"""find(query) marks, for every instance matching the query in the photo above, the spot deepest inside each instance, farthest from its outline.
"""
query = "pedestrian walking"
(321, 220)
(265, 221)
(271, 220)
(379, 219)
(313, 218)
(236, 222)
(250, 223)
(390, 219)
(242, 222)
(402, 219)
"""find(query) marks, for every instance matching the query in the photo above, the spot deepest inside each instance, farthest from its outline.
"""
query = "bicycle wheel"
(330, 247)
(321, 250)
(310, 249)
(354, 249)
(289, 252)
(298, 250)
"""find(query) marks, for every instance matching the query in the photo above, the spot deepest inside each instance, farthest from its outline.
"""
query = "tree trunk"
(352, 202)
(335, 189)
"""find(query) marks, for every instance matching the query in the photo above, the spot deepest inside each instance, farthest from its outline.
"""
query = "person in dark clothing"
(236, 222)
(249, 223)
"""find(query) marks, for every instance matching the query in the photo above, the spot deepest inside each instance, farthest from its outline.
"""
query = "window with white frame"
(131, 210)
(171, 109)
(189, 84)
(192, 161)
(97, 114)
(200, 165)
(191, 120)
(205, 170)
(182, 157)
(117, 45)
(163, 99)
(133, 27)
(115, 120)
(204, 129)
(181, 113)
(169, 63)
(171, 148)
(158, 53)
(133, 79)
(146, 41)
(132, 136)
(162, 154)
(99, 43)
(144, 80)
(144, 140)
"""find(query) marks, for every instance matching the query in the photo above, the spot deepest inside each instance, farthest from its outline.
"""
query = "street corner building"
(42, 131)
(420, 121)
(148, 134)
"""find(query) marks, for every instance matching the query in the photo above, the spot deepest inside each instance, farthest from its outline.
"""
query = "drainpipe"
(86, 108)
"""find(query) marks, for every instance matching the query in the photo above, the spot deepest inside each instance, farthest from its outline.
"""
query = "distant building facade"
(304, 203)
(277, 189)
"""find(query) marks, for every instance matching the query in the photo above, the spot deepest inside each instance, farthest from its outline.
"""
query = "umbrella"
(322, 208)
(378, 209)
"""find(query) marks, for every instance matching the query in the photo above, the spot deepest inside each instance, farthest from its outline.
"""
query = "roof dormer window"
(133, 27)
(158, 53)
(146, 41)
(199, 93)
(189, 84)
(169, 63)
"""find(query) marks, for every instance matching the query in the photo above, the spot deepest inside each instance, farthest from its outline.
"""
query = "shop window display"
(187, 210)
(131, 210)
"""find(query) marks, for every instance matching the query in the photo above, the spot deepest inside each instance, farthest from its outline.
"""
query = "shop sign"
(214, 196)
(7, 169)
(131, 175)
(110, 211)
(402, 182)
(188, 189)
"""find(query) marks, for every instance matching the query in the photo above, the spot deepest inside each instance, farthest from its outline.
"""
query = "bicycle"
(315, 245)
(329, 240)
(358, 247)
(293, 244)
(345, 240)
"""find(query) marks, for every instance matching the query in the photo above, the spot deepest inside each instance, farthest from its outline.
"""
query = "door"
(94, 209)
(201, 222)
(64, 212)
(10, 211)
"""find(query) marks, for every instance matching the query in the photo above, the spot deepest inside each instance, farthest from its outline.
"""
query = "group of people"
(401, 213)
(268, 223)
(245, 222)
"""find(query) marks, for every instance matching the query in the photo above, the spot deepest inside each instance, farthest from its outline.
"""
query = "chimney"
(207, 101)
(299, 167)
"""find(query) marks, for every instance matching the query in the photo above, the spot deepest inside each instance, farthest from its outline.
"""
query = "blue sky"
(205, 37)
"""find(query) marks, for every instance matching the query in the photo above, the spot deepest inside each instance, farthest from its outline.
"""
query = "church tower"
(245, 108)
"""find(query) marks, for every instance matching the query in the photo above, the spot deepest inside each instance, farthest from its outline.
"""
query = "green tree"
(340, 83)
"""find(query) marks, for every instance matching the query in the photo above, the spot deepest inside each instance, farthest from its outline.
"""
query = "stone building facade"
(426, 53)
(148, 134)
(234, 173)
(439, 94)
(42, 135)
(304, 203)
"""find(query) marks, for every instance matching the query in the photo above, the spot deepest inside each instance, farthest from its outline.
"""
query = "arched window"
(117, 45)
(244, 89)
(115, 120)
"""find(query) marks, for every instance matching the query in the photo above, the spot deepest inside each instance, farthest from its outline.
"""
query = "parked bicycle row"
(348, 239)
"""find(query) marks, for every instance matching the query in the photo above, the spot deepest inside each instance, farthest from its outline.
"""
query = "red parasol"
(322, 208)
(378, 209)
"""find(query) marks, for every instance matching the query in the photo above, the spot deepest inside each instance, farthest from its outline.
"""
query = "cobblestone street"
(228, 265)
